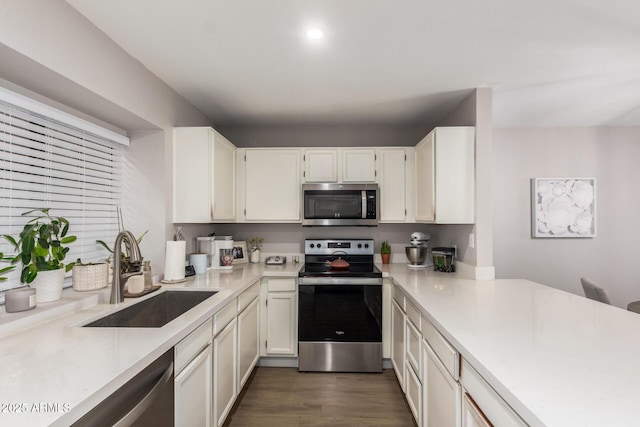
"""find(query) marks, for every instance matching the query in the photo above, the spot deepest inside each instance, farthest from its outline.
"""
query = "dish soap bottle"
(146, 273)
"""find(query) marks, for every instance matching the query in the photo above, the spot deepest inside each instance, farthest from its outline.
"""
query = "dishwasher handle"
(146, 401)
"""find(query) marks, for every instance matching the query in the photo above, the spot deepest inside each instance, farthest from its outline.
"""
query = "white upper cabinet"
(359, 165)
(395, 179)
(445, 176)
(272, 185)
(204, 176)
(321, 165)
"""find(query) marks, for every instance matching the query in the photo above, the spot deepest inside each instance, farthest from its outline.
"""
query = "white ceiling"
(549, 62)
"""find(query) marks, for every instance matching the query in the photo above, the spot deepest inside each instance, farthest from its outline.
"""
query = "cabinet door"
(359, 165)
(391, 180)
(247, 341)
(281, 319)
(321, 165)
(413, 394)
(224, 179)
(441, 394)
(472, 416)
(193, 394)
(272, 185)
(425, 179)
(225, 370)
(191, 179)
(398, 343)
(455, 175)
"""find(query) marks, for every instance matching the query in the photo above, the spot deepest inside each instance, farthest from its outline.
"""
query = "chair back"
(594, 291)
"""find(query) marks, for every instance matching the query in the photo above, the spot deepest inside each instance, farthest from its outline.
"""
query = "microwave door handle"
(364, 204)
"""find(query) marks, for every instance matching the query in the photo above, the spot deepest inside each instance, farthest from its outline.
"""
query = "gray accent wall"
(611, 155)
(324, 136)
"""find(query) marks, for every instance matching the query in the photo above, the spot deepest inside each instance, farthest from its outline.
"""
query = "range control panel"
(329, 246)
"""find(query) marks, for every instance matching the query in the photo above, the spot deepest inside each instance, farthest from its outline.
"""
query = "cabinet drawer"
(490, 404)
(413, 315)
(247, 296)
(398, 297)
(224, 316)
(448, 355)
(281, 285)
(187, 349)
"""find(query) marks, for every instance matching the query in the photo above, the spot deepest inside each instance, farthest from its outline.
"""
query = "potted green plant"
(126, 265)
(41, 250)
(385, 252)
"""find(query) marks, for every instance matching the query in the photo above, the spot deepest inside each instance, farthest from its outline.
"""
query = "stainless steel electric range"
(340, 307)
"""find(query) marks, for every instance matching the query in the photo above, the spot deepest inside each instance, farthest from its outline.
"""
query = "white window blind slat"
(74, 170)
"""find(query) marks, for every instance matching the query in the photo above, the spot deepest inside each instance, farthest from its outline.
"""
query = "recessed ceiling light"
(315, 33)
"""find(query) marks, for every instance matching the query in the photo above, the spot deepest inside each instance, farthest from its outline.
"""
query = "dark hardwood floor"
(284, 397)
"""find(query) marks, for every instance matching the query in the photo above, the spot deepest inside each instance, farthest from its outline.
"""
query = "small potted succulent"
(385, 252)
(41, 249)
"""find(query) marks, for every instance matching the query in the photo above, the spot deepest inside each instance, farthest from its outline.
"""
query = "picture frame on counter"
(563, 207)
(240, 255)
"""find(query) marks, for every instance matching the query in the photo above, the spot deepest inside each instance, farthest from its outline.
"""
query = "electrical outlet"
(472, 241)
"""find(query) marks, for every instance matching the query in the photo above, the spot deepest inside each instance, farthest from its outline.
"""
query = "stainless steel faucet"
(120, 279)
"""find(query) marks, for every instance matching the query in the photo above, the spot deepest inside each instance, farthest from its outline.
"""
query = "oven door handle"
(315, 281)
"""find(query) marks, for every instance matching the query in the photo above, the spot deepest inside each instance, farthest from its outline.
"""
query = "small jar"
(146, 273)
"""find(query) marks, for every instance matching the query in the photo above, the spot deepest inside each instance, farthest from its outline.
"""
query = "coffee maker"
(219, 250)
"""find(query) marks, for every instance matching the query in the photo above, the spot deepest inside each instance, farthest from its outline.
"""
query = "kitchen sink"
(154, 312)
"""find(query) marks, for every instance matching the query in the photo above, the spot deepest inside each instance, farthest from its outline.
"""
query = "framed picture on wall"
(563, 207)
(240, 255)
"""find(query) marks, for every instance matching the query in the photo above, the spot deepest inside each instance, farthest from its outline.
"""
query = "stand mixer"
(417, 252)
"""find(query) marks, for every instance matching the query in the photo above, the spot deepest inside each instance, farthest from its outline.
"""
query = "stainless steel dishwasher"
(146, 400)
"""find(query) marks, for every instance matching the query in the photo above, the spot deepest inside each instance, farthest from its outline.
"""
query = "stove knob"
(366, 245)
(318, 245)
(359, 245)
(312, 246)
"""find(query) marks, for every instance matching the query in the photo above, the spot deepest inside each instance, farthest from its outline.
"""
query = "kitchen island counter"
(556, 358)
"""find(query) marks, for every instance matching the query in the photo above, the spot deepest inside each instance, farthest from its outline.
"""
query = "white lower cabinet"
(483, 404)
(398, 342)
(472, 416)
(225, 368)
(441, 393)
(192, 383)
(413, 393)
(248, 341)
(279, 319)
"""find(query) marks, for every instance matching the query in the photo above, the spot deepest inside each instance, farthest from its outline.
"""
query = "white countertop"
(557, 358)
(60, 364)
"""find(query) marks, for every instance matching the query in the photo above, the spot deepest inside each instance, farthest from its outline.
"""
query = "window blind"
(47, 163)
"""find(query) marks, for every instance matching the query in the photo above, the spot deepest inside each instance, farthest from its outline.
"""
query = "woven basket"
(90, 277)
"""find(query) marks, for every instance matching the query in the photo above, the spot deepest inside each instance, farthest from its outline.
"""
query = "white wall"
(476, 110)
(611, 155)
(49, 48)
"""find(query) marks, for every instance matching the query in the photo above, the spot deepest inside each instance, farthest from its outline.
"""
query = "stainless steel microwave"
(340, 204)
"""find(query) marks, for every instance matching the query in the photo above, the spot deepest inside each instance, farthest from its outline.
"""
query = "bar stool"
(594, 291)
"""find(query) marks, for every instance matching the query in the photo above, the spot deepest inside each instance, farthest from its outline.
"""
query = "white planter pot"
(254, 256)
(48, 285)
(90, 277)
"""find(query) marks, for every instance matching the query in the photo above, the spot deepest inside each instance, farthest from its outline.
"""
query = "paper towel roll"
(174, 260)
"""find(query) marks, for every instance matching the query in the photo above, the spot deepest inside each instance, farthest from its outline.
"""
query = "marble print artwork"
(563, 207)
